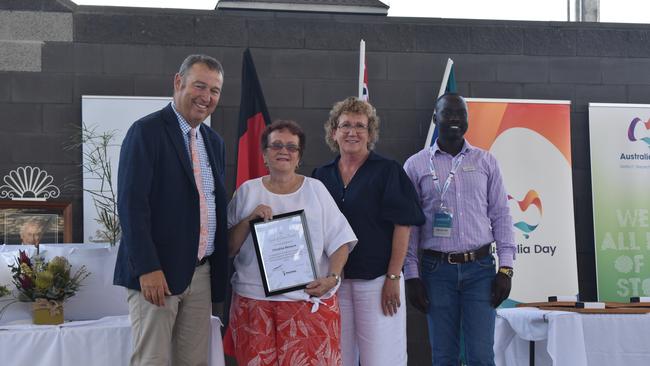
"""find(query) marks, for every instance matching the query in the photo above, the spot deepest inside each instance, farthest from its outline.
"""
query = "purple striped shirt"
(476, 196)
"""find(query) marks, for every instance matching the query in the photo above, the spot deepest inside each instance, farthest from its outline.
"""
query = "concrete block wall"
(306, 62)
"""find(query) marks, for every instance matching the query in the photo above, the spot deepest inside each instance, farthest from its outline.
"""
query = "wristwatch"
(393, 276)
(507, 271)
(336, 277)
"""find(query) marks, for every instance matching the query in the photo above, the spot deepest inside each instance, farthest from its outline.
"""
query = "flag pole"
(441, 91)
(362, 66)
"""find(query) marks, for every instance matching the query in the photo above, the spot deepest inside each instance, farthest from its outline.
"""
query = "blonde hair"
(356, 106)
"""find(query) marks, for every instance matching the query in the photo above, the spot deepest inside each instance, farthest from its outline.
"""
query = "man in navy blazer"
(171, 279)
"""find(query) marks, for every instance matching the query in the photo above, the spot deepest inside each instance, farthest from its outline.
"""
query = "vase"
(47, 312)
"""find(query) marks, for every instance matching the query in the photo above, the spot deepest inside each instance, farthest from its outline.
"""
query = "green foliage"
(97, 163)
(34, 278)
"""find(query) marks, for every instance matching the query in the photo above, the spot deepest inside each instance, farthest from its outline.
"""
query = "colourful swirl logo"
(630, 131)
(531, 198)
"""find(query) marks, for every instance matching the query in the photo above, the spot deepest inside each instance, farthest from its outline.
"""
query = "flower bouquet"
(46, 284)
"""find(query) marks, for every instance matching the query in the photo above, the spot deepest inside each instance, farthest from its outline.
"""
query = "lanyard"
(436, 181)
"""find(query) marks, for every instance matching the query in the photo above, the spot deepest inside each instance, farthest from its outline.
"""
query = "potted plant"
(46, 284)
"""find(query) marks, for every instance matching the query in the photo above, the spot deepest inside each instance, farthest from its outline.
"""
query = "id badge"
(442, 223)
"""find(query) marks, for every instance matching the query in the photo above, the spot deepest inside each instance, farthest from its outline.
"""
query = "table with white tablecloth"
(102, 342)
(564, 338)
(97, 330)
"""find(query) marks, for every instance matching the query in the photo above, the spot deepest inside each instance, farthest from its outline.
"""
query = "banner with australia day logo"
(531, 140)
(620, 177)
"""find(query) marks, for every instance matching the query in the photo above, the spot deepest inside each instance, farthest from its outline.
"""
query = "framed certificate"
(284, 252)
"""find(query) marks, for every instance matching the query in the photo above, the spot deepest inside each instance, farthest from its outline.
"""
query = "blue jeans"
(460, 294)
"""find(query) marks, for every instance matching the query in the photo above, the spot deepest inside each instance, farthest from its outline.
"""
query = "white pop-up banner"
(532, 143)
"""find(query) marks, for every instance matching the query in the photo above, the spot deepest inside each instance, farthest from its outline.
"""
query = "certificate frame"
(284, 252)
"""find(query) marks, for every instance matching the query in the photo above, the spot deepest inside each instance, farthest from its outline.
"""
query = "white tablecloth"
(103, 342)
(571, 339)
(96, 298)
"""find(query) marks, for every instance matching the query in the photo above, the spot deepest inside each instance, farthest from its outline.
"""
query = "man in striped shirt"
(464, 200)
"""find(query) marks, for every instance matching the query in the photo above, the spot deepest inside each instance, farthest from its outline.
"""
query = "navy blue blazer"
(158, 205)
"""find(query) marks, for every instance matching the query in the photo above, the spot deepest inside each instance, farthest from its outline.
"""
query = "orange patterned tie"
(203, 205)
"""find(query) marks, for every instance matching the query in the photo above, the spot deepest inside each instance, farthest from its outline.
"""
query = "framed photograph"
(284, 252)
(29, 222)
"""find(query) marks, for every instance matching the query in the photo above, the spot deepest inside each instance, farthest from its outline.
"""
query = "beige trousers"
(178, 332)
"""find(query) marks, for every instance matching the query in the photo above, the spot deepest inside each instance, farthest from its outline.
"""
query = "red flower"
(24, 258)
(26, 282)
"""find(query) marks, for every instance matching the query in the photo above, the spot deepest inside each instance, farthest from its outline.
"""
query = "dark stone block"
(301, 64)
(392, 94)
(638, 43)
(215, 118)
(523, 69)
(50, 149)
(103, 85)
(134, 28)
(402, 124)
(58, 118)
(398, 149)
(225, 123)
(602, 42)
(173, 57)
(157, 86)
(5, 87)
(131, 59)
(581, 70)
(638, 94)
(324, 93)
(580, 157)
(500, 40)
(550, 41)
(345, 65)
(41, 88)
(231, 92)
(377, 66)
(626, 71)
(276, 33)
(64, 6)
(549, 91)
(496, 90)
(333, 36)
(20, 118)
(389, 37)
(474, 67)
(427, 93)
(220, 31)
(586, 94)
(57, 57)
(435, 38)
(415, 66)
(88, 58)
(283, 92)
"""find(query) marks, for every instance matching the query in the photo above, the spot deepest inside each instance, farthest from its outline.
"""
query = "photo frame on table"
(20, 219)
(284, 252)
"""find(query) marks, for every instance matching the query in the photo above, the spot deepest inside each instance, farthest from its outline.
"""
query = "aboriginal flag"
(253, 118)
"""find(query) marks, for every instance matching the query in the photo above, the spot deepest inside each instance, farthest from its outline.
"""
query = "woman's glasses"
(347, 127)
(276, 146)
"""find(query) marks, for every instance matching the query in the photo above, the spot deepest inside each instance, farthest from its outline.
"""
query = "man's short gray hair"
(206, 60)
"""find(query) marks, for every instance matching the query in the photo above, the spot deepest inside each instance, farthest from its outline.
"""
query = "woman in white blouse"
(301, 326)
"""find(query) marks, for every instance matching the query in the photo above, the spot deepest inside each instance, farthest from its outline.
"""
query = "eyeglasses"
(276, 146)
(347, 127)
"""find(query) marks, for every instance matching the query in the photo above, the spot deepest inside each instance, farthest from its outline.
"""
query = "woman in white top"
(301, 326)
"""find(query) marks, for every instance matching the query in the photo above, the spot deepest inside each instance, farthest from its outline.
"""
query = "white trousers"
(367, 335)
